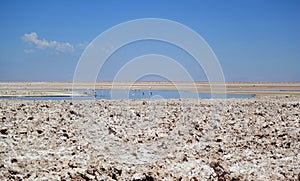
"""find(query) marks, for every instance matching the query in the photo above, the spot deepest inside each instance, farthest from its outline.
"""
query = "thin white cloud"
(43, 43)
(82, 45)
(28, 50)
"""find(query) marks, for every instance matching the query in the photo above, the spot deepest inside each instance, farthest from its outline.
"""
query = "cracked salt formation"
(253, 139)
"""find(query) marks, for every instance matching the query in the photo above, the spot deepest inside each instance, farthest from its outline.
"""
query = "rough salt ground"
(151, 139)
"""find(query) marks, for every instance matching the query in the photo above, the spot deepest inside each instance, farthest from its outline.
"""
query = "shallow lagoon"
(134, 94)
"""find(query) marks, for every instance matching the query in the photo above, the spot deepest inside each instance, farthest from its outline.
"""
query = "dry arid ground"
(180, 139)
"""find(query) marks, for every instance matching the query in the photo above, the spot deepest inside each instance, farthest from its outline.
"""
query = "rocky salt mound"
(188, 139)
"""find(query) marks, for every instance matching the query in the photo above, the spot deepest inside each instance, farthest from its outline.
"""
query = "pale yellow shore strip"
(158, 85)
(40, 93)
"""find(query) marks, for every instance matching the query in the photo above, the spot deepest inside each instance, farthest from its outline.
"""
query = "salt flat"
(66, 88)
(200, 139)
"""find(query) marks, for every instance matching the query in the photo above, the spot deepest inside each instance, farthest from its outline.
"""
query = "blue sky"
(254, 40)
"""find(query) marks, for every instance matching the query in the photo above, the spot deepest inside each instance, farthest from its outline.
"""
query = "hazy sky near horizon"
(254, 40)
